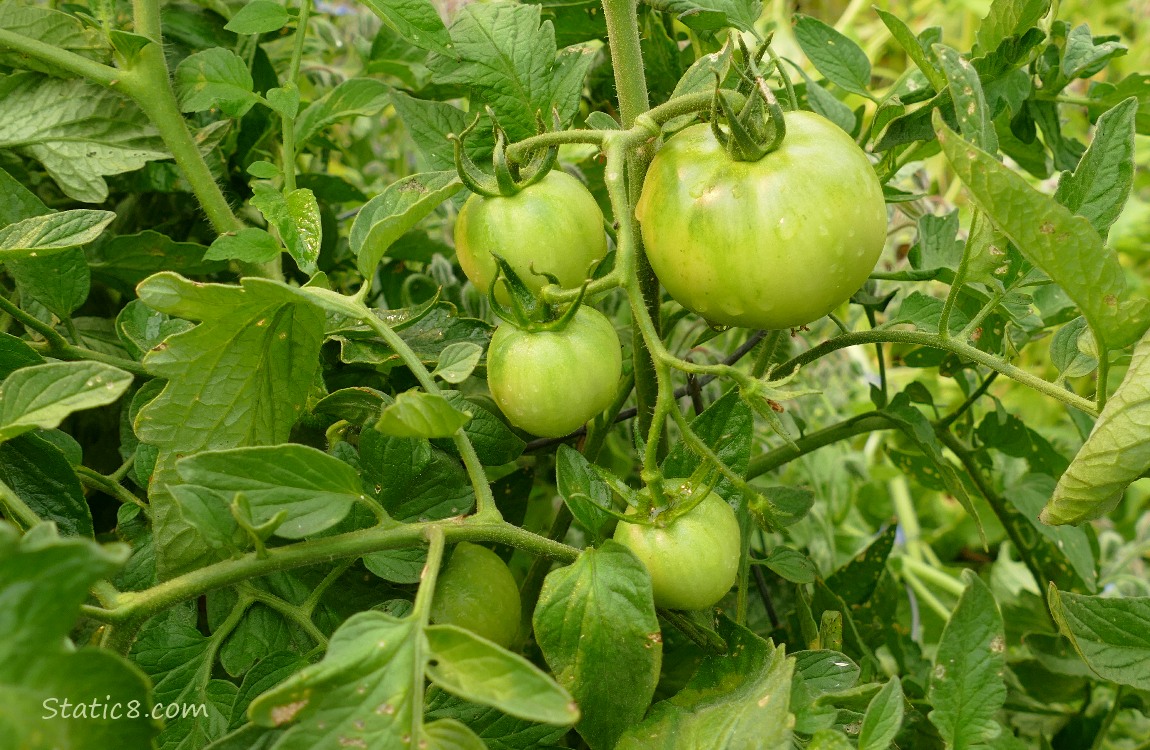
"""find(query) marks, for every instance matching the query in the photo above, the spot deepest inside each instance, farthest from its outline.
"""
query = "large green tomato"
(477, 592)
(774, 243)
(554, 225)
(550, 383)
(694, 561)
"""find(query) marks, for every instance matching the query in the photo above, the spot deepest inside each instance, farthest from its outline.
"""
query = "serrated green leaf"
(1116, 452)
(835, 56)
(1110, 634)
(585, 493)
(742, 696)
(238, 378)
(457, 361)
(258, 17)
(42, 476)
(1065, 246)
(315, 489)
(360, 692)
(883, 717)
(352, 98)
(1007, 18)
(480, 671)
(966, 685)
(421, 415)
(77, 130)
(417, 21)
(52, 234)
(1100, 185)
(974, 120)
(249, 245)
(596, 626)
(405, 203)
(216, 77)
(44, 395)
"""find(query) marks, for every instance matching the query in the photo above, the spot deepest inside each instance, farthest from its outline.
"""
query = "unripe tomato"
(694, 561)
(550, 383)
(476, 591)
(773, 243)
(555, 225)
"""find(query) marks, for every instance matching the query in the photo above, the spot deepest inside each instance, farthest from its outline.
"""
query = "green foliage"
(267, 483)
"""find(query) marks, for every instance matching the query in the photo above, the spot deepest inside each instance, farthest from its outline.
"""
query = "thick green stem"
(860, 425)
(421, 611)
(148, 83)
(960, 348)
(16, 509)
(107, 485)
(626, 58)
(134, 607)
(288, 123)
(78, 64)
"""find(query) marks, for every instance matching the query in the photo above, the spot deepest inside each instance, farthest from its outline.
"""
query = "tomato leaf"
(258, 17)
(1110, 634)
(966, 686)
(457, 361)
(44, 395)
(835, 56)
(476, 669)
(405, 203)
(316, 490)
(883, 717)
(596, 626)
(1115, 454)
(1065, 246)
(417, 21)
(216, 77)
(744, 694)
(421, 415)
(52, 234)
(356, 97)
(1101, 183)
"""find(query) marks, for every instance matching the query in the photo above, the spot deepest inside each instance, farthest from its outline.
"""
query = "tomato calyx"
(758, 128)
(508, 177)
(528, 311)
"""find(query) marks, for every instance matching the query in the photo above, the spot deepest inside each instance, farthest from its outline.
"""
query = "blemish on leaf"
(283, 714)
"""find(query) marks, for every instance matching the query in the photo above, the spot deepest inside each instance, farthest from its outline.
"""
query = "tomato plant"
(808, 400)
(692, 559)
(550, 382)
(771, 243)
(477, 592)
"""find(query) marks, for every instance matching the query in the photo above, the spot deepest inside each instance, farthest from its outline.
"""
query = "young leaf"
(42, 476)
(969, 103)
(51, 234)
(477, 670)
(791, 565)
(1100, 185)
(351, 98)
(60, 282)
(596, 626)
(966, 685)
(913, 48)
(1007, 18)
(457, 361)
(77, 130)
(295, 215)
(421, 415)
(258, 17)
(216, 77)
(493, 440)
(1116, 452)
(742, 696)
(584, 492)
(1111, 635)
(44, 395)
(1065, 246)
(417, 21)
(315, 489)
(385, 218)
(712, 15)
(883, 717)
(834, 55)
(250, 245)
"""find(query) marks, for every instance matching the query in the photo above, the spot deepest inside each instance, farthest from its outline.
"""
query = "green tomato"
(477, 592)
(550, 383)
(694, 561)
(554, 225)
(769, 244)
